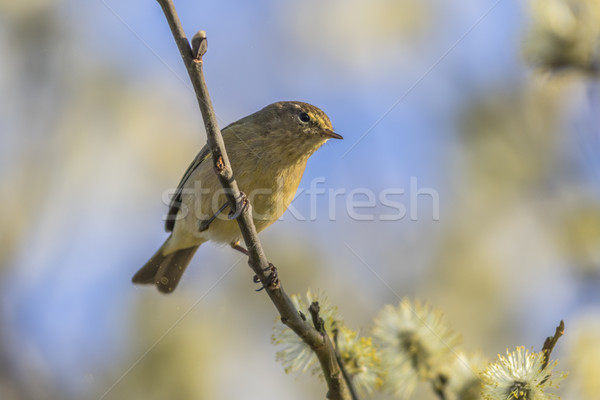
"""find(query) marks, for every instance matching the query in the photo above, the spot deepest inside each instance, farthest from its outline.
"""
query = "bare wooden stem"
(550, 342)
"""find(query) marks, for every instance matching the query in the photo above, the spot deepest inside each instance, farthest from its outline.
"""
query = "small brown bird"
(268, 151)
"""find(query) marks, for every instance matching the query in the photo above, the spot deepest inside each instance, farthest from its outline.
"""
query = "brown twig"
(314, 309)
(550, 342)
(345, 373)
(321, 345)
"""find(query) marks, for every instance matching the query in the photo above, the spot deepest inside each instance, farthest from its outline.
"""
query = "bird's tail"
(165, 270)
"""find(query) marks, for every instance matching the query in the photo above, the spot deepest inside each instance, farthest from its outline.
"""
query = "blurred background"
(491, 105)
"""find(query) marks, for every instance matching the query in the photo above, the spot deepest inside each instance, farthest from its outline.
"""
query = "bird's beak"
(328, 133)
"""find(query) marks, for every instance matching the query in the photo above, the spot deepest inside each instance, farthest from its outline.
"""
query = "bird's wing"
(202, 156)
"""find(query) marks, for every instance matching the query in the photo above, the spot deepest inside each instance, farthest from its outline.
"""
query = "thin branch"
(321, 345)
(345, 373)
(550, 342)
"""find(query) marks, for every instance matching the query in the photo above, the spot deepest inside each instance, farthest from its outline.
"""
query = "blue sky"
(69, 291)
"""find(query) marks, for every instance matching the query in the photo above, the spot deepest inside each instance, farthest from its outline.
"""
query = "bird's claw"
(240, 206)
(204, 224)
(272, 278)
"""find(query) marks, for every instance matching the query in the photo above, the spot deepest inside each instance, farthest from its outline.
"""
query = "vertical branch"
(345, 374)
(320, 344)
(550, 342)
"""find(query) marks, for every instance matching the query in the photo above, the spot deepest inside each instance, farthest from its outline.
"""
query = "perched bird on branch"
(268, 151)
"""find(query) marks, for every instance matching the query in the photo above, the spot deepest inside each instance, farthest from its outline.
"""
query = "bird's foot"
(236, 246)
(205, 223)
(272, 279)
(240, 206)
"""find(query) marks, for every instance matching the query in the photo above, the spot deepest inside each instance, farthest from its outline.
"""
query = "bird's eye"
(304, 117)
